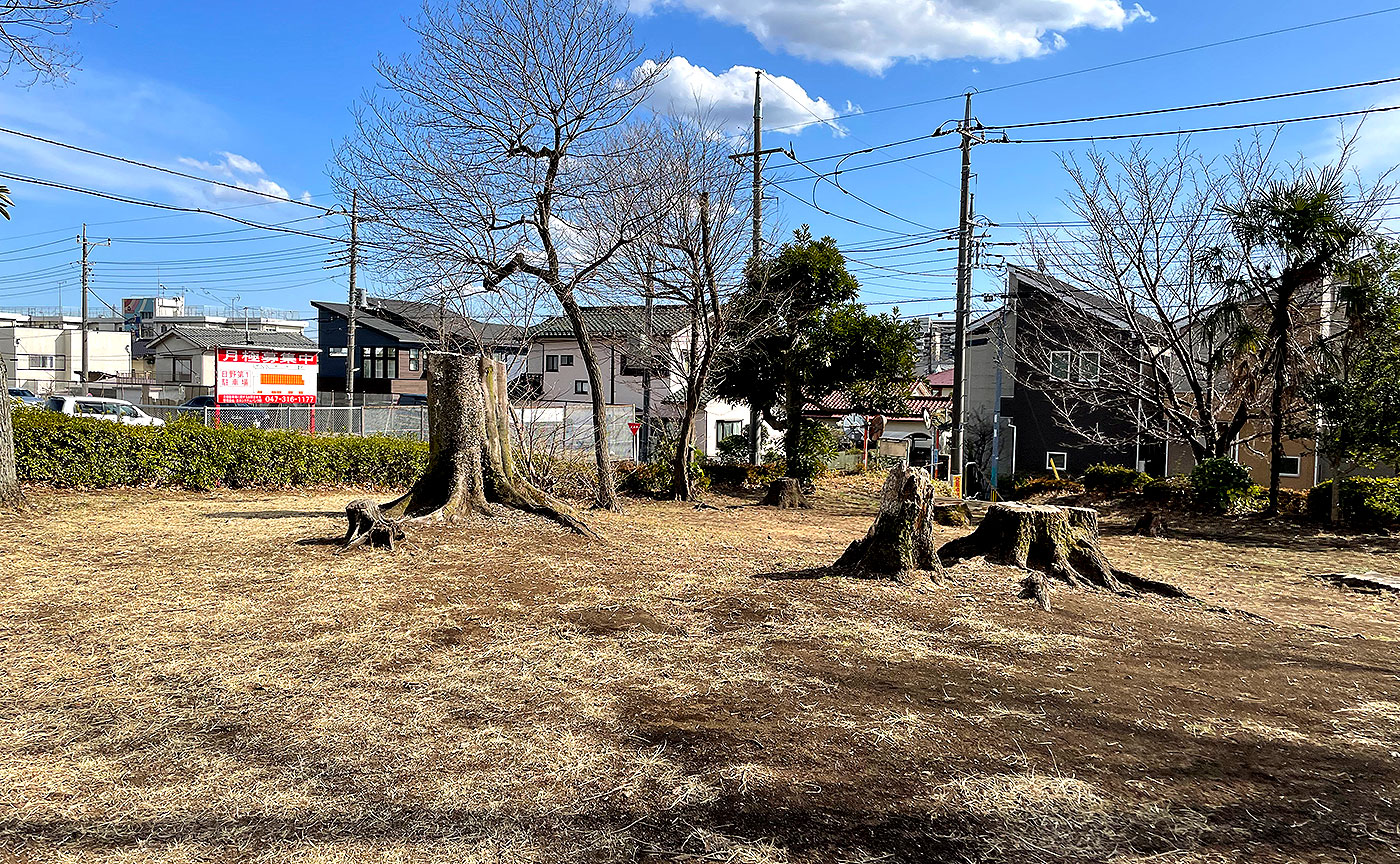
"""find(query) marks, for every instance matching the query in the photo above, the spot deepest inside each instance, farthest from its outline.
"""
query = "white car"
(115, 410)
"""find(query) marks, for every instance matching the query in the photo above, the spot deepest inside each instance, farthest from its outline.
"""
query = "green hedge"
(59, 450)
(1221, 485)
(1114, 479)
(1366, 502)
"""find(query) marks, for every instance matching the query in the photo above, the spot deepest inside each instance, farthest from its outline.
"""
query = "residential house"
(910, 431)
(391, 338)
(49, 359)
(185, 357)
(555, 366)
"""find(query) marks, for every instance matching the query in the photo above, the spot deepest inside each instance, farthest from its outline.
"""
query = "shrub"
(73, 451)
(942, 489)
(654, 476)
(1114, 479)
(1366, 502)
(733, 449)
(1174, 491)
(818, 447)
(1028, 485)
(569, 476)
(1220, 485)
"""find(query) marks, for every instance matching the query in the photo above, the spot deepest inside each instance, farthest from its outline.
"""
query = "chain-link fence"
(542, 429)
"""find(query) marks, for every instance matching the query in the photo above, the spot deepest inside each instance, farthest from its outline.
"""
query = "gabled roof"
(227, 337)
(839, 405)
(414, 321)
(666, 320)
(1085, 301)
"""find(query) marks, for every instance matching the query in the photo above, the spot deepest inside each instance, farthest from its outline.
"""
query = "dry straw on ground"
(201, 677)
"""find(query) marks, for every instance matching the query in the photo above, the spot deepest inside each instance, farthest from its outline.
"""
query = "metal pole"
(350, 358)
(644, 434)
(964, 292)
(757, 165)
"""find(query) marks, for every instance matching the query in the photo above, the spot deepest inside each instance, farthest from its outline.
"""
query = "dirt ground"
(191, 677)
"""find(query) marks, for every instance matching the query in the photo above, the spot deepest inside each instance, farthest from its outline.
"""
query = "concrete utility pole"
(350, 358)
(757, 163)
(964, 294)
(644, 434)
(84, 273)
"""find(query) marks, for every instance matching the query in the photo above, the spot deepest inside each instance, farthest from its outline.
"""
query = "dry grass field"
(194, 677)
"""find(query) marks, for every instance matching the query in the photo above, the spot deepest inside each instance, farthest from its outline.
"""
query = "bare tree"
(693, 255)
(1133, 339)
(485, 157)
(34, 34)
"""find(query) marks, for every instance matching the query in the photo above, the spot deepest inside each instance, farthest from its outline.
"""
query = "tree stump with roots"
(785, 493)
(1060, 543)
(1151, 524)
(901, 540)
(470, 460)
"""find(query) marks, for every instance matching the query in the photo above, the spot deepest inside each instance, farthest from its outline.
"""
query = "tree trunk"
(10, 494)
(1284, 325)
(755, 435)
(785, 493)
(1058, 542)
(792, 435)
(470, 460)
(606, 498)
(901, 540)
(680, 460)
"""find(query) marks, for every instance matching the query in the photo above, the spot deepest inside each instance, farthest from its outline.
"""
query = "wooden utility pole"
(350, 358)
(84, 272)
(964, 294)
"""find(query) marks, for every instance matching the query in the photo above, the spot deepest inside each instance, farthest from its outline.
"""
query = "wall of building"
(108, 353)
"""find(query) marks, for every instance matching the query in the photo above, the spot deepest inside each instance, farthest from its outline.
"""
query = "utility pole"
(757, 154)
(996, 403)
(350, 358)
(84, 273)
(964, 294)
(644, 434)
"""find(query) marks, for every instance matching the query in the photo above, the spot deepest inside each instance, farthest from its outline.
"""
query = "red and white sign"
(251, 377)
(634, 426)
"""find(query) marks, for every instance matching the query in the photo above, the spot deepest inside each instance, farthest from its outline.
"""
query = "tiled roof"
(221, 337)
(414, 321)
(839, 405)
(940, 379)
(666, 320)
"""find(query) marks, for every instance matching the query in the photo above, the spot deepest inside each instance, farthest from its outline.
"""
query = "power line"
(1115, 65)
(1221, 104)
(123, 199)
(820, 176)
(1233, 126)
(124, 160)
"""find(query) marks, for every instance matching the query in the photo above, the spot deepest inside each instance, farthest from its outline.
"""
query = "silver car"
(97, 407)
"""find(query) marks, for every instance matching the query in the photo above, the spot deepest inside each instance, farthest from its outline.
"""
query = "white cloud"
(871, 35)
(726, 99)
(238, 170)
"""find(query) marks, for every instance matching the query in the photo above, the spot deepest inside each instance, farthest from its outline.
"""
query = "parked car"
(25, 396)
(232, 415)
(115, 410)
(412, 400)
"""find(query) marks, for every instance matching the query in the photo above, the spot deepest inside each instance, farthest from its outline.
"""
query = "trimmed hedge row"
(1366, 502)
(59, 450)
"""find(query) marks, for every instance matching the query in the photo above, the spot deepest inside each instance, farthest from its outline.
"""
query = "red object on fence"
(312, 429)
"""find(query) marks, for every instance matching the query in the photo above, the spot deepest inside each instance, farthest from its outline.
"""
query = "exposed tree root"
(470, 463)
(1053, 543)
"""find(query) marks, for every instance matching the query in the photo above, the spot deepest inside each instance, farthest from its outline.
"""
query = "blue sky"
(258, 93)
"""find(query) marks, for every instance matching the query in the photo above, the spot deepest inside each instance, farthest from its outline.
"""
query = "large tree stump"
(470, 463)
(785, 493)
(1060, 543)
(901, 540)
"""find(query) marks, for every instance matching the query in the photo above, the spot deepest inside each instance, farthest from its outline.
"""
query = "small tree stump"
(1061, 543)
(901, 540)
(1151, 524)
(955, 514)
(785, 493)
(369, 525)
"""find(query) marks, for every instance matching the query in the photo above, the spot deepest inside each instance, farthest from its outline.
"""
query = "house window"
(379, 362)
(338, 352)
(1089, 366)
(728, 429)
(415, 359)
(1059, 365)
(551, 362)
(1057, 461)
(566, 359)
(184, 370)
(44, 361)
(581, 387)
(1290, 466)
